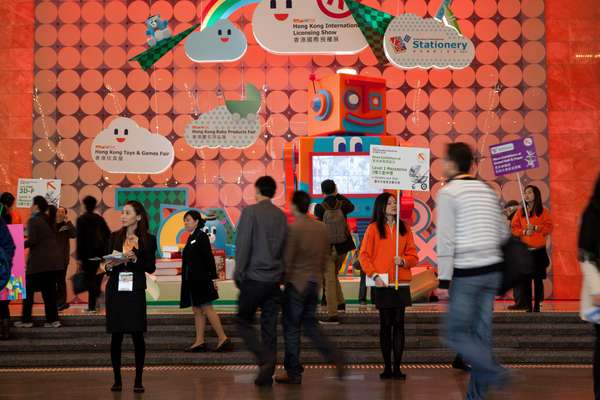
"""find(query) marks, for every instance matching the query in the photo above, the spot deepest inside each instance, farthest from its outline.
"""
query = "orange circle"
(277, 124)
(45, 58)
(486, 30)
(230, 195)
(184, 79)
(486, 8)
(417, 123)
(184, 172)
(277, 78)
(115, 34)
(418, 7)
(115, 57)
(541, 143)
(68, 80)
(511, 98)
(91, 57)
(67, 150)
(463, 8)
(230, 78)
(43, 150)
(43, 170)
(417, 78)
(141, 120)
(138, 103)
(440, 99)
(163, 8)
(536, 121)
(509, 29)
(207, 79)
(253, 170)
(90, 126)
(299, 124)
(418, 141)
(92, 34)
(44, 127)
(249, 194)
(323, 72)
(85, 149)
(138, 80)
(230, 154)
(437, 166)
(510, 52)
(534, 75)
(137, 179)
(182, 150)
(463, 77)
(484, 143)
(440, 78)
(138, 11)
(509, 8)
(347, 60)
(161, 102)
(396, 124)
(46, 35)
(277, 101)
(181, 59)
(512, 122)
(136, 34)
(69, 12)
(416, 100)
(256, 151)
(207, 195)
(69, 35)
(275, 170)
(373, 72)
(275, 148)
(183, 103)
(534, 52)
(532, 8)
(92, 12)
(163, 178)
(46, 12)
(487, 76)
(68, 103)
(45, 81)
(161, 79)
(207, 154)
(180, 123)
(44, 104)
(324, 60)
(485, 169)
(68, 196)
(67, 126)
(299, 78)
(533, 29)
(464, 99)
(114, 103)
(161, 124)
(394, 77)
(184, 11)
(115, 11)
(488, 99)
(92, 80)
(299, 101)
(535, 98)
(439, 144)
(511, 75)
(91, 103)
(207, 171)
(231, 171)
(90, 173)
(108, 195)
(486, 53)
(69, 57)
(395, 100)
(465, 122)
(441, 123)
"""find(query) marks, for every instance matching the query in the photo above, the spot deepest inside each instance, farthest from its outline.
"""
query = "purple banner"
(512, 157)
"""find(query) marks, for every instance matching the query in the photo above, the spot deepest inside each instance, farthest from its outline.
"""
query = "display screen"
(350, 173)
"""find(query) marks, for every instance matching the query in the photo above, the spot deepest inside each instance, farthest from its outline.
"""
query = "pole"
(397, 225)
(523, 198)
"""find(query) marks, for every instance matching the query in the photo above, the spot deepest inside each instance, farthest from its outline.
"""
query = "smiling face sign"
(121, 135)
(306, 27)
(221, 42)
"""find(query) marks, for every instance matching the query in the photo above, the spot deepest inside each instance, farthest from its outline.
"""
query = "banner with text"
(400, 168)
(515, 156)
(29, 188)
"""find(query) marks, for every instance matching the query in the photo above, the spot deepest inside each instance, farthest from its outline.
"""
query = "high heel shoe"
(201, 348)
(138, 388)
(386, 374)
(227, 345)
(117, 387)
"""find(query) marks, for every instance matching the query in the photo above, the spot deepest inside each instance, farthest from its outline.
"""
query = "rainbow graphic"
(222, 9)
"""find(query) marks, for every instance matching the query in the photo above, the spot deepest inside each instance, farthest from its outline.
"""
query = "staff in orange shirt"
(378, 257)
(534, 235)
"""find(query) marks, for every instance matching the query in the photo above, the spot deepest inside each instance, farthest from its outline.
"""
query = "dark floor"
(319, 384)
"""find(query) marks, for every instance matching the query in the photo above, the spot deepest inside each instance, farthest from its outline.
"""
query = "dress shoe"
(286, 379)
(460, 364)
(386, 374)
(225, 346)
(397, 375)
(201, 348)
(517, 307)
(330, 321)
(265, 374)
(138, 388)
(117, 387)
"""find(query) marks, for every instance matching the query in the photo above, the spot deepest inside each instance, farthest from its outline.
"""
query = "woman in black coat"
(197, 287)
(126, 288)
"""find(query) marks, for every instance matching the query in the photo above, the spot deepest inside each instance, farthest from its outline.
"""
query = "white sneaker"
(55, 324)
(20, 324)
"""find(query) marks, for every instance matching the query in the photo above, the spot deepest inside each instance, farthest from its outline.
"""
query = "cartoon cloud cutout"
(411, 41)
(125, 147)
(221, 42)
(234, 125)
(306, 27)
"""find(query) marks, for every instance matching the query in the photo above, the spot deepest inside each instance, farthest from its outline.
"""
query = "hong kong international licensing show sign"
(400, 168)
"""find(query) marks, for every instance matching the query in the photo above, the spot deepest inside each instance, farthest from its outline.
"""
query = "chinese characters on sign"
(30, 188)
(400, 168)
(512, 157)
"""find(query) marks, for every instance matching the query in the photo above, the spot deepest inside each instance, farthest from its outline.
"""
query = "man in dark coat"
(65, 231)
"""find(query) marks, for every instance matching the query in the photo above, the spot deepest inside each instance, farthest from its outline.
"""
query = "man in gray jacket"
(260, 246)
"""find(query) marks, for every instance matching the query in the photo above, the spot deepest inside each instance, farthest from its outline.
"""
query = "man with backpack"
(92, 245)
(333, 211)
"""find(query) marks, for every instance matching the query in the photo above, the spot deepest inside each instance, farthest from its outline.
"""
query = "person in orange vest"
(534, 235)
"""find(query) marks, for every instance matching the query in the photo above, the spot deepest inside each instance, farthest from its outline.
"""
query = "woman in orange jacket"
(378, 257)
(534, 236)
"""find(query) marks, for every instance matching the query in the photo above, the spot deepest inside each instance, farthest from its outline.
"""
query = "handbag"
(518, 264)
(79, 282)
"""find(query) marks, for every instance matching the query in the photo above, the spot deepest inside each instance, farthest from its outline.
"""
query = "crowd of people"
(281, 266)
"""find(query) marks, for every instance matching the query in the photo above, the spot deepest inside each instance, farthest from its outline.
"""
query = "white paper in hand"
(592, 314)
(384, 278)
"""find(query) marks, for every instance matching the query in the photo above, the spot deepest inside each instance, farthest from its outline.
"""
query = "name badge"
(126, 282)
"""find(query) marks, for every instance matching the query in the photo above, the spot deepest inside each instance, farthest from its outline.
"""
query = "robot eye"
(339, 145)
(376, 101)
(352, 100)
(220, 32)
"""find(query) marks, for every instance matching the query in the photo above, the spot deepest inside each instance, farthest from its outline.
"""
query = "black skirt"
(541, 261)
(390, 297)
(125, 311)
(197, 293)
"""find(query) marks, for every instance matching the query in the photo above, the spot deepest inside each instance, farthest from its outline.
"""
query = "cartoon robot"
(157, 30)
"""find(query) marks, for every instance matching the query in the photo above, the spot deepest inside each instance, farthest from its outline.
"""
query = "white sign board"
(399, 168)
(29, 188)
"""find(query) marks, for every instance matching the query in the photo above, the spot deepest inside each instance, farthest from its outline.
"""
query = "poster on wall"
(414, 42)
(126, 147)
(233, 125)
(399, 168)
(29, 188)
(307, 27)
(15, 288)
(516, 156)
(221, 42)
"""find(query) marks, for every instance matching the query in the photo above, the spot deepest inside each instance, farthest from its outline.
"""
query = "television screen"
(350, 173)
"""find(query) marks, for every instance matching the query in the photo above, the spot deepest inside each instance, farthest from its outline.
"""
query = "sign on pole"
(515, 156)
(399, 168)
(29, 188)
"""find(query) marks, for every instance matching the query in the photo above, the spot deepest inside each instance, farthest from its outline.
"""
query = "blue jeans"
(469, 329)
(299, 311)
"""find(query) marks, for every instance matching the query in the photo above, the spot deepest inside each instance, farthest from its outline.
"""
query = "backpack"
(335, 220)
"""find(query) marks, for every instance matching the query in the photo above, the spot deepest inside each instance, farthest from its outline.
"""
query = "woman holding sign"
(380, 255)
(133, 254)
(533, 225)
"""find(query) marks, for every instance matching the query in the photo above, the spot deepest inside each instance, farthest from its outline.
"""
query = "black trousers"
(4, 309)
(93, 282)
(267, 297)
(139, 345)
(391, 336)
(61, 287)
(44, 282)
(597, 364)
(362, 288)
(537, 295)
